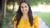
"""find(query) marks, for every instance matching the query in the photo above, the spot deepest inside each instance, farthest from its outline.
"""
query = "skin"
(24, 10)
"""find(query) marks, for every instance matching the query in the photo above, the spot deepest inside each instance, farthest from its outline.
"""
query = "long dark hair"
(19, 14)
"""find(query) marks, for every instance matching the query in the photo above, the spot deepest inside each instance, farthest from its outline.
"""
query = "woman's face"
(24, 8)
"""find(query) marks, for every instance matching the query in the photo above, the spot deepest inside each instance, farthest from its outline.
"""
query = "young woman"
(24, 17)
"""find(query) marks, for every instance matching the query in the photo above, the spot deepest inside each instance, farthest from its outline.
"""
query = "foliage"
(32, 2)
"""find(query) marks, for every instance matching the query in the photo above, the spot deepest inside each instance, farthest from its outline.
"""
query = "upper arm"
(14, 20)
(35, 21)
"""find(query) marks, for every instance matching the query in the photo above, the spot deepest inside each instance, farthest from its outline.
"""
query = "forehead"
(24, 4)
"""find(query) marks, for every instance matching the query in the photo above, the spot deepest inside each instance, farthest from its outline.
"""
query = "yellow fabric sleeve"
(14, 19)
(35, 22)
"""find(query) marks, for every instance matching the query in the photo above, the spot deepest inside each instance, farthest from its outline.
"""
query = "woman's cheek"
(22, 10)
(26, 10)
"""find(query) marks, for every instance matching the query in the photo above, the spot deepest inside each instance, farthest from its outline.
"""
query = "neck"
(25, 14)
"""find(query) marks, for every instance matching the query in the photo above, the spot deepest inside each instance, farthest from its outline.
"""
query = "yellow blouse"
(25, 23)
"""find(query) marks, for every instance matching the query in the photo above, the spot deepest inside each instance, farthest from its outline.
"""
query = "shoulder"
(14, 18)
(36, 17)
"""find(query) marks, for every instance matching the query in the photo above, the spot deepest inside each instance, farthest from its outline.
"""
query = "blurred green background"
(8, 13)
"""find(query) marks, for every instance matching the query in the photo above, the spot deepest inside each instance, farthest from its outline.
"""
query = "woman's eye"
(21, 7)
(25, 6)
